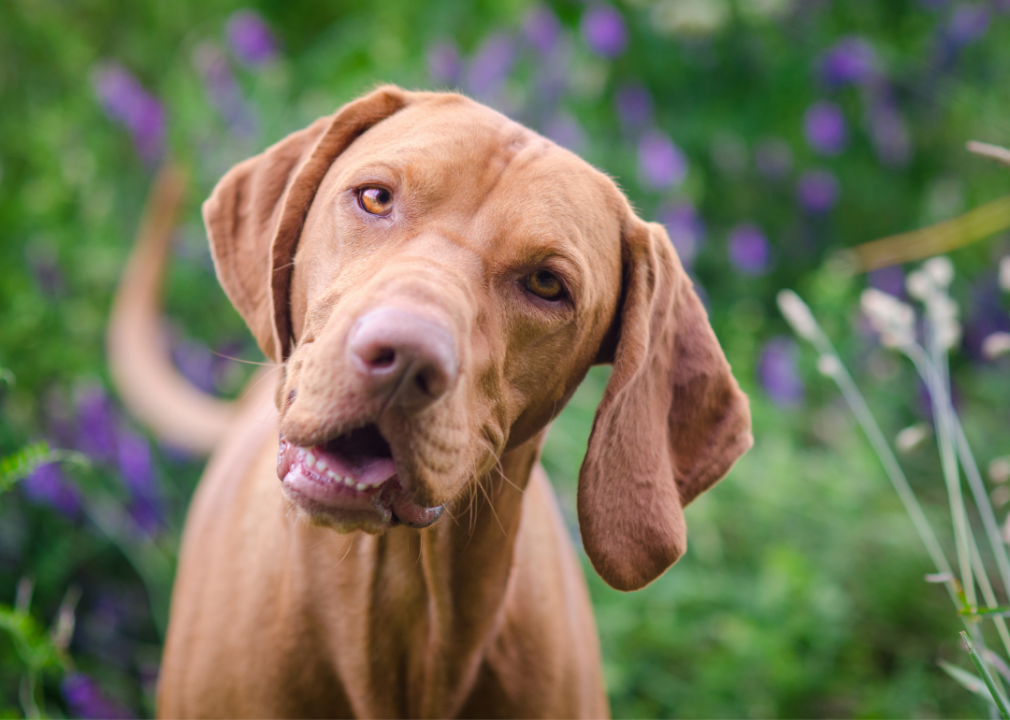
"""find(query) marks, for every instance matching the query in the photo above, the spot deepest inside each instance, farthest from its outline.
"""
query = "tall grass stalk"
(896, 322)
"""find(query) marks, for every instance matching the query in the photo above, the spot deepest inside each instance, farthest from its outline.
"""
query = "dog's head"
(437, 280)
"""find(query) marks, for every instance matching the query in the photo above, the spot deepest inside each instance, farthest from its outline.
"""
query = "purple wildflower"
(45, 267)
(850, 60)
(749, 250)
(634, 105)
(135, 463)
(566, 131)
(818, 190)
(541, 29)
(825, 129)
(196, 362)
(889, 133)
(491, 66)
(96, 425)
(250, 38)
(890, 280)
(604, 31)
(48, 486)
(661, 164)
(86, 700)
(968, 23)
(685, 228)
(773, 158)
(777, 371)
(222, 90)
(127, 102)
(444, 66)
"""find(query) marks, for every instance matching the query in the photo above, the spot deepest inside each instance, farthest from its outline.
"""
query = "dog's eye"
(545, 284)
(376, 200)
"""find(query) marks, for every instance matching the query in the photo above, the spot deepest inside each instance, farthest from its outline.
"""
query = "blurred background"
(766, 135)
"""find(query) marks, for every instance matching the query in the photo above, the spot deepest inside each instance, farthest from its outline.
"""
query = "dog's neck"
(433, 597)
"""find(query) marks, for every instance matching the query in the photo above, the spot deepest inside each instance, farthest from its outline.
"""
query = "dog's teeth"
(361, 486)
(348, 482)
(320, 463)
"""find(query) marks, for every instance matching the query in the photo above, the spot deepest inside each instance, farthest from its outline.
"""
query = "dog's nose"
(411, 358)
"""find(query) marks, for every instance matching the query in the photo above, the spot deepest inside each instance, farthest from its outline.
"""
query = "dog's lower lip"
(328, 478)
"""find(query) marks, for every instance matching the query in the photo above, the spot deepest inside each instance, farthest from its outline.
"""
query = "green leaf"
(972, 683)
(32, 643)
(980, 666)
(24, 462)
(7, 376)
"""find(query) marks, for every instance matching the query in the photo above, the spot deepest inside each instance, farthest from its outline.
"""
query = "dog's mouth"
(351, 480)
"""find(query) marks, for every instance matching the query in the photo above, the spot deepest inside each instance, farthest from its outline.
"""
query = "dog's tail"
(139, 358)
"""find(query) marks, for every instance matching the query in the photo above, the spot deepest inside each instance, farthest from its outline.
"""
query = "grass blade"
(980, 666)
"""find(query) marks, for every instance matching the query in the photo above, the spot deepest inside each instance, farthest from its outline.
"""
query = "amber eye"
(545, 284)
(376, 200)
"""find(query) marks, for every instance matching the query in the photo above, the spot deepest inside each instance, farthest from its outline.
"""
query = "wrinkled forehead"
(467, 164)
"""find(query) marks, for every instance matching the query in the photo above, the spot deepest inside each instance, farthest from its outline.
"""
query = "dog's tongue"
(332, 478)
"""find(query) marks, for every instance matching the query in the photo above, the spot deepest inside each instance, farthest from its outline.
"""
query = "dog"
(374, 535)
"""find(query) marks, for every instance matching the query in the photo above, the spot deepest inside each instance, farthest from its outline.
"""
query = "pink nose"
(410, 359)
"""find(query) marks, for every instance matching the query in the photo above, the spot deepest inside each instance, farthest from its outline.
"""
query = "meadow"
(770, 137)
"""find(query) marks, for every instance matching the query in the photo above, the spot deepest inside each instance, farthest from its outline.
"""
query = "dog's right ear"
(255, 214)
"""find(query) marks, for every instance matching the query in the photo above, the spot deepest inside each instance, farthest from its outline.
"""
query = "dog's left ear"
(255, 214)
(671, 423)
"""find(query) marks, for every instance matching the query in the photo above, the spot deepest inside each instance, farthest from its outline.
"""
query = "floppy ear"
(671, 423)
(255, 214)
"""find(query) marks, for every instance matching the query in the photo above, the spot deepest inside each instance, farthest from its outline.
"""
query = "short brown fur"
(485, 612)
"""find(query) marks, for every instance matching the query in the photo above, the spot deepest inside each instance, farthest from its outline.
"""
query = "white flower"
(912, 437)
(829, 365)
(919, 285)
(797, 314)
(940, 270)
(1004, 274)
(995, 345)
(893, 319)
(943, 312)
(999, 469)
(690, 17)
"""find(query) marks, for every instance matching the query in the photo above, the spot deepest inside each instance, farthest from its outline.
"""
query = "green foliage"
(802, 593)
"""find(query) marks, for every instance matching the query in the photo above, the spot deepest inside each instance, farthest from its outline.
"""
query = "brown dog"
(435, 281)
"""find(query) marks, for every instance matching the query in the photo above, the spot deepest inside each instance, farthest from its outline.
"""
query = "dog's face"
(437, 280)
(452, 285)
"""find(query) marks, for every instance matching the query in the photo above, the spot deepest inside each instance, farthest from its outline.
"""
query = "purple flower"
(685, 228)
(48, 486)
(222, 90)
(196, 362)
(968, 23)
(773, 158)
(44, 264)
(889, 133)
(749, 250)
(777, 371)
(444, 66)
(604, 31)
(491, 66)
(818, 190)
(127, 102)
(250, 38)
(660, 162)
(850, 60)
(541, 29)
(135, 463)
(86, 700)
(890, 280)
(566, 131)
(96, 425)
(634, 105)
(825, 128)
